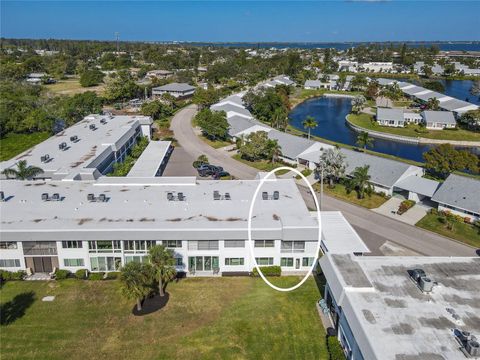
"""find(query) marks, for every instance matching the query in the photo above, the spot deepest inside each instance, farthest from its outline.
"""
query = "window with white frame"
(234, 243)
(138, 246)
(262, 261)
(287, 262)
(105, 246)
(234, 261)
(8, 245)
(9, 262)
(138, 259)
(264, 243)
(105, 263)
(172, 243)
(307, 261)
(71, 244)
(178, 261)
(293, 246)
(73, 262)
(203, 245)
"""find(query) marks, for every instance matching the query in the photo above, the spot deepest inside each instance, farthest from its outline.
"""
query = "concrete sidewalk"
(411, 216)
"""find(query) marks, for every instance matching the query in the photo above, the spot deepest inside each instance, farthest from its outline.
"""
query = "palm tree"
(163, 264)
(279, 118)
(136, 279)
(23, 171)
(433, 103)
(332, 164)
(360, 180)
(358, 103)
(364, 140)
(309, 123)
(274, 150)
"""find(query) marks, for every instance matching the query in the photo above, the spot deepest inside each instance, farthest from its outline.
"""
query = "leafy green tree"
(91, 77)
(434, 85)
(361, 181)
(332, 165)
(214, 124)
(470, 120)
(359, 82)
(372, 90)
(433, 103)
(163, 263)
(427, 70)
(76, 107)
(136, 279)
(445, 159)
(264, 104)
(358, 103)
(23, 171)
(475, 89)
(156, 109)
(309, 123)
(121, 87)
(254, 146)
(274, 150)
(205, 98)
(202, 159)
(280, 119)
(364, 140)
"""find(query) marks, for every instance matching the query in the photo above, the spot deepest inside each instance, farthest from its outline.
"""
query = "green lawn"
(216, 144)
(374, 201)
(466, 233)
(13, 144)
(262, 165)
(205, 318)
(366, 121)
(72, 87)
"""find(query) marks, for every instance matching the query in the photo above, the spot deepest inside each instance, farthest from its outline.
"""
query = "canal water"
(330, 113)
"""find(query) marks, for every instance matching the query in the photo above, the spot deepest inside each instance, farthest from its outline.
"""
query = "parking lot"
(180, 164)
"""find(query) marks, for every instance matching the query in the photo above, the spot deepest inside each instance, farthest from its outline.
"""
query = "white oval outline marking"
(249, 228)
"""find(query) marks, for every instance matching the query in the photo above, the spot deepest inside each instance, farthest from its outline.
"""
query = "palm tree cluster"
(309, 123)
(360, 182)
(364, 140)
(138, 279)
(23, 171)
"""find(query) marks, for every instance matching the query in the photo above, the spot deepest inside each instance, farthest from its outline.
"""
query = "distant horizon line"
(260, 42)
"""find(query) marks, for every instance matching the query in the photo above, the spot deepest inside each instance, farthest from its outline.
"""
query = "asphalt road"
(375, 229)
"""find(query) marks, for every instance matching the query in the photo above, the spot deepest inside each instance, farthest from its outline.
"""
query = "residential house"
(177, 90)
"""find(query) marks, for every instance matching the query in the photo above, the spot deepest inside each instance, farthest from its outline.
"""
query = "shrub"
(112, 275)
(61, 274)
(11, 275)
(268, 271)
(404, 206)
(81, 274)
(96, 276)
(334, 349)
(433, 211)
(467, 220)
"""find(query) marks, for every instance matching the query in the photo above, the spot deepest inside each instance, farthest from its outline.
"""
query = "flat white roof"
(152, 157)
(111, 132)
(140, 207)
(391, 318)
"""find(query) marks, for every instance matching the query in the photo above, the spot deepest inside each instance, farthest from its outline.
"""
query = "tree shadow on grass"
(15, 308)
(151, 304)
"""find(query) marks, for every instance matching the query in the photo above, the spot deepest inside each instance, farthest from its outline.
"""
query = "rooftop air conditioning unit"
(473, 348)
(264, 195)
(45, 197)
(464, 335)
(416, 274)
(426, 284)
(56, 197)
(180, 196)
(62, 146)
(44, 158)
(91, 197)
(92, 127)
(216, 195)
(227, 196)
(103, 121)
(2, 196)
(73, 138)
(170, 196)
(276, 195)
(102, 198)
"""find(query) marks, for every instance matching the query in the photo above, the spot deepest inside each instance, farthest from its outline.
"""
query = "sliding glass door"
(202, 263)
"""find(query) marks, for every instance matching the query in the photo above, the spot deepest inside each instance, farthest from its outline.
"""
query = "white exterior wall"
(78, 253)
(459, 212)
(7, 254)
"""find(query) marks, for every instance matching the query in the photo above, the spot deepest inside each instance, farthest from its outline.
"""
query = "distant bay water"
(445, 46)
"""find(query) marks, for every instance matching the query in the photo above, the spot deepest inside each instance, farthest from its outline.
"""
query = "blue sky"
(309, 21)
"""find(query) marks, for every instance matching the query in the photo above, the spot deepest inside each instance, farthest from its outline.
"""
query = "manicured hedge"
(81, 274)
(268, 271)
(61, 274)
(334, 349)
(11, 275)
(96, 276)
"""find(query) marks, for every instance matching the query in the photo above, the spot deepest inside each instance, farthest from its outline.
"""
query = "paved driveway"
(180, 164)
(374, 228)
(412, 216)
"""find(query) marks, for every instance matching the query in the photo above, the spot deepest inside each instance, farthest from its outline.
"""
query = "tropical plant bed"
(340, 192)
(367, 122)
(204, 318)
(466, 233)
(405, 205)
(263, 165)
(14, 144)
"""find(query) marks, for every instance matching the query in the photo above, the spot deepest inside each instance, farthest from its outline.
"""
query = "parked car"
(220, 174)
(208, 170)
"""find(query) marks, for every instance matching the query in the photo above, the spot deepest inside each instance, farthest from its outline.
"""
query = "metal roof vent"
(44, 158)
(473, 348)
(426, 284)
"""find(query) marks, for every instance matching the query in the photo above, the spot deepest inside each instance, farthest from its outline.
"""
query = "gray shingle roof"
(390, 114)
(175, 87)
(313, 83)
(382, 171)
(430, 95)
(453, 104)
(442, 117)
(291, 145)
(459, 191)
(238, 124)
(418, 185)
(229, 107)
(413, 90)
